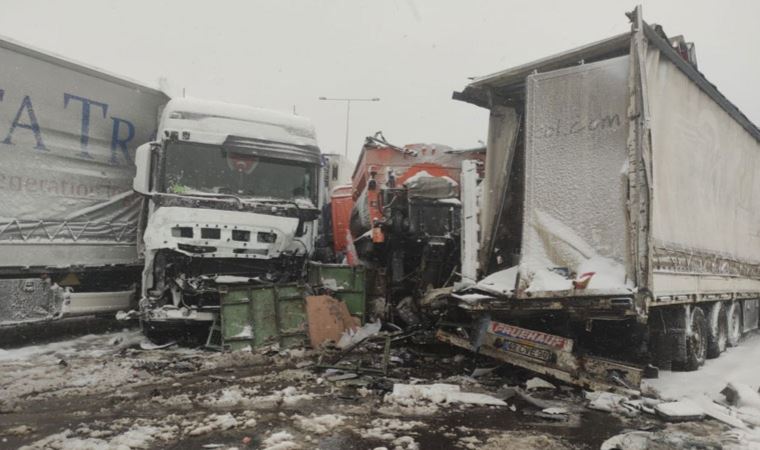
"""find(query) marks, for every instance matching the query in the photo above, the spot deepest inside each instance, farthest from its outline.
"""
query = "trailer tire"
(696, 341)
(717, 331)
(734, 326)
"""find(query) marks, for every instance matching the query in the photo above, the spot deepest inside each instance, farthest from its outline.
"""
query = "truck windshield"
(209, 169)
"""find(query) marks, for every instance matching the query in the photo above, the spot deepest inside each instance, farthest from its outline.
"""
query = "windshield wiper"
(204, 195)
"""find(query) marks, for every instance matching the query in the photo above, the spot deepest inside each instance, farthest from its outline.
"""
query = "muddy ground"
(105, 390)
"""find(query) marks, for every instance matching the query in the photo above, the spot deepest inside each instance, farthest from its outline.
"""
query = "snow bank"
(281, 440)
(289, 396)
(136, 437)
(91, 345)
(214, 422)
(502, 282)
(736, 365)
(410, 394)
(319, 424)
(229, 397)
(547, 280)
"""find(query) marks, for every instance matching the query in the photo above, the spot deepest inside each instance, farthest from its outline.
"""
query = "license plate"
(525, 350)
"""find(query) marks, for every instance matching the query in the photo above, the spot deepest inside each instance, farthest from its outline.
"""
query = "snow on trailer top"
(77, 66)
(214, 122)
(507, 84)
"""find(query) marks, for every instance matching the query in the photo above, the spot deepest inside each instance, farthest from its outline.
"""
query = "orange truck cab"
(406, 214)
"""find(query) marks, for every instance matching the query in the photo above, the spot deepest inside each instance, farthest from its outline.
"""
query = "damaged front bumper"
(170, 313)
(579, 308)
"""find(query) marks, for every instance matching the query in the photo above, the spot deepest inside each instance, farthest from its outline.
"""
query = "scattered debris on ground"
(117, 392)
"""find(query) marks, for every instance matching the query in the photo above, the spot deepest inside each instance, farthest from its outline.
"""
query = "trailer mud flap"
(545, 354)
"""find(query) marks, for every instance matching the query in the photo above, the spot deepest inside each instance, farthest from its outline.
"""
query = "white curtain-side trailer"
(68, 215)
(620, 210)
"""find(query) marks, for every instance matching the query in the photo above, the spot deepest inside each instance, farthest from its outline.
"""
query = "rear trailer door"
(576, 172)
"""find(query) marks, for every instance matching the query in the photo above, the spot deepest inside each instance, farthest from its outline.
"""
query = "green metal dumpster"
(257, 315)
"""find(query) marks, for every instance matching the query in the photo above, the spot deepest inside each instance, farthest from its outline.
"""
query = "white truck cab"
(232, 195)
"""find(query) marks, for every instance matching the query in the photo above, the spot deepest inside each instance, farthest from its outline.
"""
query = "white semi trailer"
(619, 215)
(68, 215)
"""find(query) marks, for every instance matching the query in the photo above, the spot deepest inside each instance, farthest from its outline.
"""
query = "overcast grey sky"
(410, 53)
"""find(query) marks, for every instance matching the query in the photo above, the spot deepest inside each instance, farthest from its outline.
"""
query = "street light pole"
(348, 118)
(348, 112)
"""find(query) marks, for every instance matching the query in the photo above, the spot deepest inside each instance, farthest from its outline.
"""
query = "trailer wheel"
(717, 331)
(734, 318)
(696, 341)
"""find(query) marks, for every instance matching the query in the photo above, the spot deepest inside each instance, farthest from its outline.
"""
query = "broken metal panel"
(258, 315)
(328, 319)
(346, 283)
(546, 354)
(503, 128)
(471, 204)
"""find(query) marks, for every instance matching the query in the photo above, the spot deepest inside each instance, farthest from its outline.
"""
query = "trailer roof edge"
(701, 81)
(558, 60)
(87, 69)
(485, 91)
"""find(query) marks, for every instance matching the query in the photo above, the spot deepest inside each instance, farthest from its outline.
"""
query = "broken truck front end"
(405, 221)
(222, 209)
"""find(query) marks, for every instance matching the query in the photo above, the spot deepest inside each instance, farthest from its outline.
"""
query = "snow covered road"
(106, 391)
(738, 364)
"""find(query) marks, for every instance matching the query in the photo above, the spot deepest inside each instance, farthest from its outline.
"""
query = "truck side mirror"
(141, 182)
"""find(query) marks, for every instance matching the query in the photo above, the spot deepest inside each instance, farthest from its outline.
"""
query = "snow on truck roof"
(506, 85)
(215, 123)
